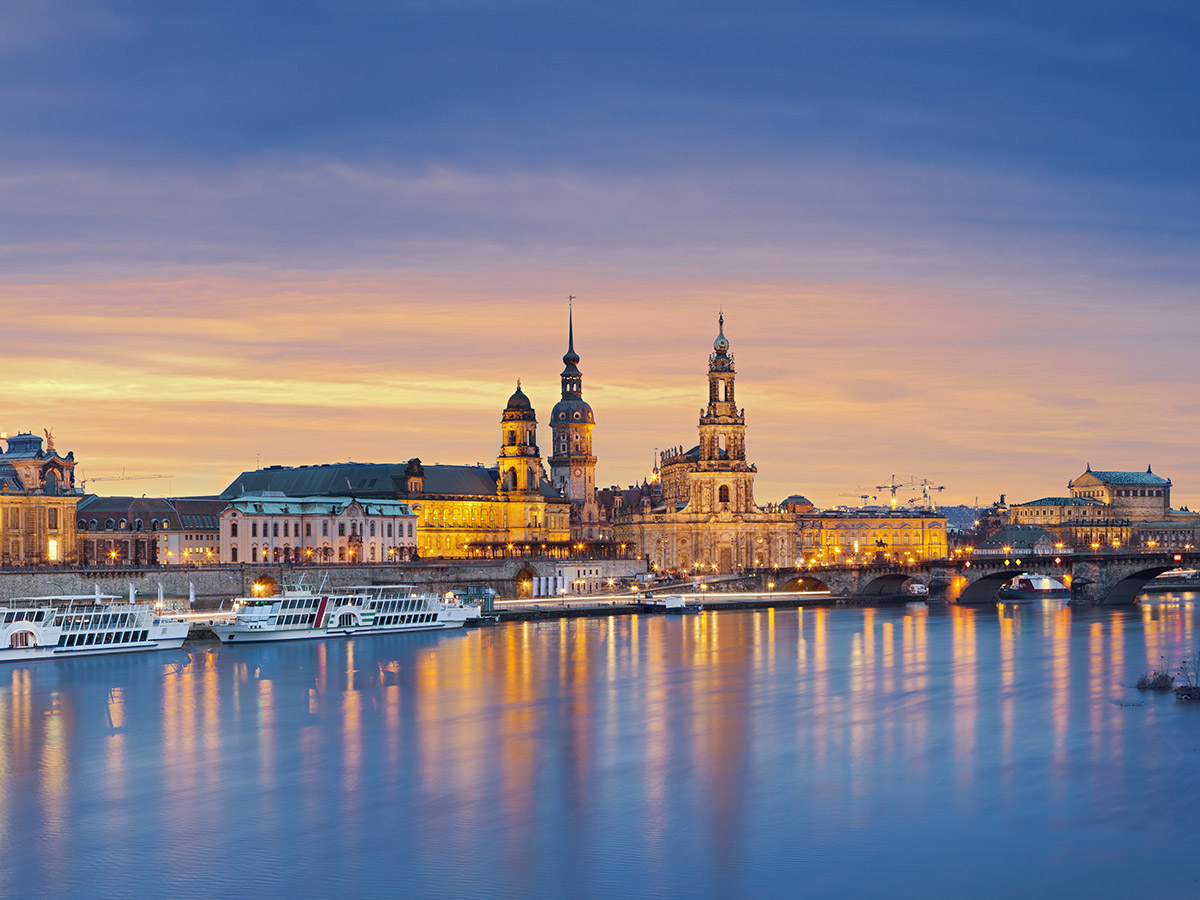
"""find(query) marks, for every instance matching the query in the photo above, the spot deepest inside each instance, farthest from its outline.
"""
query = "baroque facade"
(37, 503)
(139, 531)
(462, 511)
(701, 515)
(862, 537)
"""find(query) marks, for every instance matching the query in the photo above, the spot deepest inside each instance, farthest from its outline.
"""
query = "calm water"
(849, 752)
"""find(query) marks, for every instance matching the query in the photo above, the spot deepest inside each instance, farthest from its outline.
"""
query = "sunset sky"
(952, 242)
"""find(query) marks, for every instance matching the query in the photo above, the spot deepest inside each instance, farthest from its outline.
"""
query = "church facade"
(701, 516)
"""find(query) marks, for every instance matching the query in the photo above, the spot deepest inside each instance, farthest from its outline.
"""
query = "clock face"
(579, 471)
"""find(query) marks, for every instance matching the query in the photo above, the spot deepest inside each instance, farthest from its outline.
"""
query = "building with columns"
(702, 515)
(572, 462)
(37, 503)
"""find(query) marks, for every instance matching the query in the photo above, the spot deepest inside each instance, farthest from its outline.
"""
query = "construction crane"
(859, 493)
(122, 477)
(924, 485)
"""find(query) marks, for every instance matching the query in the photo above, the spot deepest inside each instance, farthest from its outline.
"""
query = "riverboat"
(1026, 588)
(62, 626)
(673, 605)
(299, 613)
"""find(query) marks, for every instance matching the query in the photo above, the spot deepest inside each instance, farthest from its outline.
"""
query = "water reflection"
(722, 754)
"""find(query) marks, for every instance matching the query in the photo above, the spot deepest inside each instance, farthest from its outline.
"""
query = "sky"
(952, 242)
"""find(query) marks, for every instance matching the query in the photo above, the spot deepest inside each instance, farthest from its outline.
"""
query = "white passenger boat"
(299, 613)
(85, 625)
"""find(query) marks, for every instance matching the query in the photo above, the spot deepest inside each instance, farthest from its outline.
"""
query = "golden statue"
(49, 432)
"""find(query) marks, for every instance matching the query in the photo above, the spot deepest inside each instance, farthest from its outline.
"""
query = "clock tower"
(572, 465)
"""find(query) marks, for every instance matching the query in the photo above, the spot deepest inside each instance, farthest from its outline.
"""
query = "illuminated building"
(697, 514)
(146, 531)
(37, 503)
(273, 528)
(462, 511)
(864, 536)
(1112, 510)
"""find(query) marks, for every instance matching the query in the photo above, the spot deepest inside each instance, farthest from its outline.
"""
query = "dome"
(571, 411)
(518, 400)
(721, 344)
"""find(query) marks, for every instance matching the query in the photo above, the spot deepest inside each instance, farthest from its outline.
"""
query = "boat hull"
(1019, 596)
(232, 634)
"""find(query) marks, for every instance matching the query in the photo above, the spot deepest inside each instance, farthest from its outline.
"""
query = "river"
(844, 752)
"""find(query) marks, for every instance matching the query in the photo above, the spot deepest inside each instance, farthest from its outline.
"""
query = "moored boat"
(63, 626)
(299, 614)
(672, 605)
(1026, 588)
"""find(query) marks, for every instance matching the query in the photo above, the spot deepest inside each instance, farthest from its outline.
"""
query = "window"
(410, 528)
(285, 529)
(389, 529)
(233, 529)
(233, 553)
(253, 529)
(52, 519)
(372, 529)
(341, 529)
(723, 494)
(308, 529)
(275, 530)
(324, 529)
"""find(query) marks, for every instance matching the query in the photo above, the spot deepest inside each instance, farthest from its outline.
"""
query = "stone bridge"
(1108, 579)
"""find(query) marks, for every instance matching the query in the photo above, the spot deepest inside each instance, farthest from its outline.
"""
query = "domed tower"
(519, 461)
(572, 465)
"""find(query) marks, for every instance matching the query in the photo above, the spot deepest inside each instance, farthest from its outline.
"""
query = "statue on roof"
(49, 432)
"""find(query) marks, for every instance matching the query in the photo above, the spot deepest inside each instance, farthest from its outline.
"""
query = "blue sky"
(1019, 179)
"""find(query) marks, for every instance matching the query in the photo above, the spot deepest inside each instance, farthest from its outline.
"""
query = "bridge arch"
(887, 584)
(523, 583)
(984, 589)
(806, 583)
(1125, 591)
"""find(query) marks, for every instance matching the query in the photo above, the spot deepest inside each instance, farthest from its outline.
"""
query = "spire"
(721, 344)
(571, 358)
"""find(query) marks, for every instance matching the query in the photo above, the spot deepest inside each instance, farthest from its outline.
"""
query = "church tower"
(519, 461)
(572, 465)
(721, 480)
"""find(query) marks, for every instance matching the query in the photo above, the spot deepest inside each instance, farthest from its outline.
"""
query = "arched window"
(137, 524)
(109, 524)
(723, 493)
(93, 524)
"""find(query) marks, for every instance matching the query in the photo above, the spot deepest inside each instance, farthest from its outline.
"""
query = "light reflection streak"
(966, 691)
(1096, 676)
(1059, 624)
(1008, 675)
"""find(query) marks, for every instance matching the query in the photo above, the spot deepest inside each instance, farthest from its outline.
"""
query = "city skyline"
(958, 245)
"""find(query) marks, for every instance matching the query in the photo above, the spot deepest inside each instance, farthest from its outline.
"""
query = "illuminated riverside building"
(37, 503)
(462, 511)
(139, 531)
(275, 528)
(698, 512)
(862, 537)
(1112, 509)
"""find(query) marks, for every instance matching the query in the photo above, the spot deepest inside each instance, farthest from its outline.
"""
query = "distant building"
(699, 514)
(37, 503)
(1108, 509)
(275, 528)
(1017, 541)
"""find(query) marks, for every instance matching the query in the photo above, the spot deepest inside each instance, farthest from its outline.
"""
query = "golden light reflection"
(1008, 675)
(1059, 624)
(1097, 675)
(964, 651)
